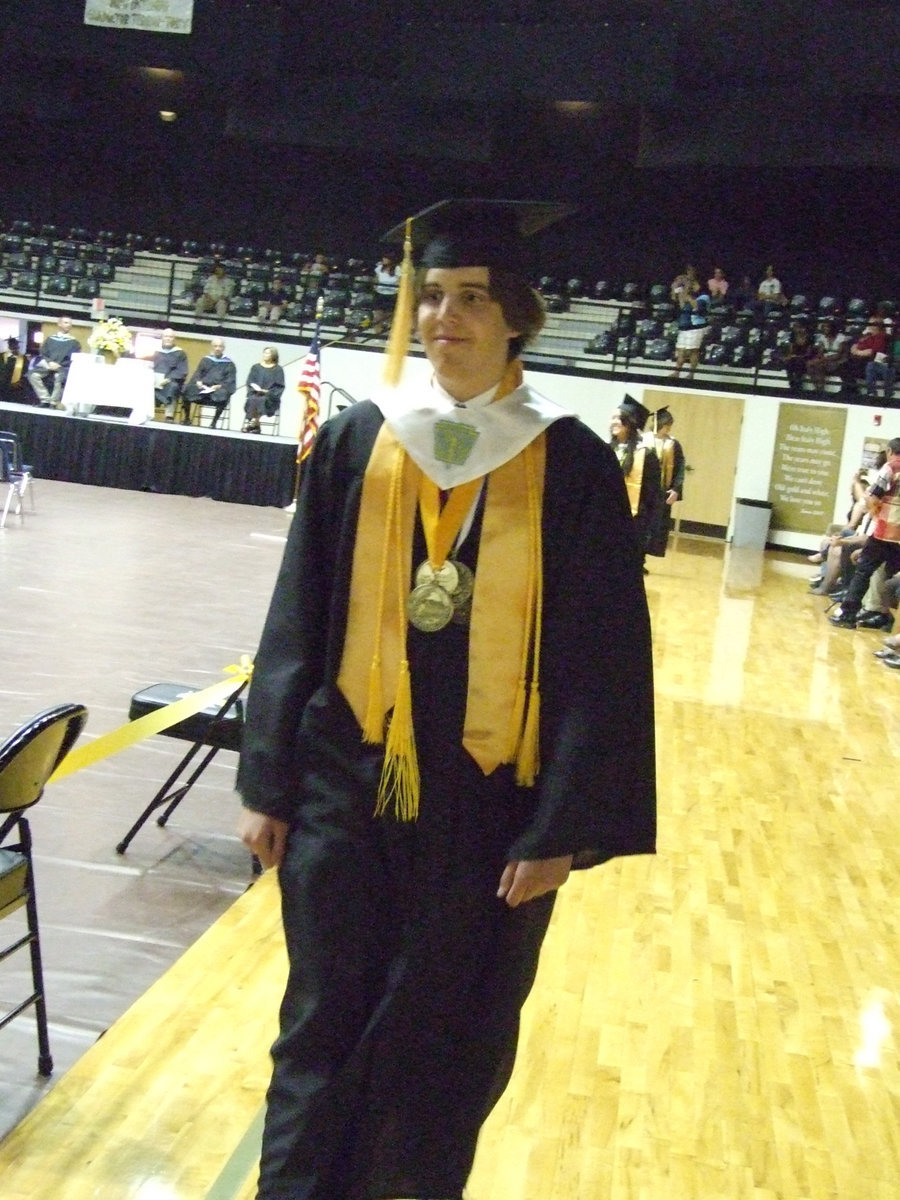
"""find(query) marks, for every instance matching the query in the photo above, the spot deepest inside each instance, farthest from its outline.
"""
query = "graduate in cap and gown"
(671, 478)
(451, 709)
(640, 466)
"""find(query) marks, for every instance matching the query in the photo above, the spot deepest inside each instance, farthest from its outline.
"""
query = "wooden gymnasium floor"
(715, 1023)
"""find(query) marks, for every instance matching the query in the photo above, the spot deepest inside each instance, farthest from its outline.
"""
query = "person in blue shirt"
(693, 320)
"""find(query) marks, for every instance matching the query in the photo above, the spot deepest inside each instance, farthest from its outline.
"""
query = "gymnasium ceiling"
(658, 85)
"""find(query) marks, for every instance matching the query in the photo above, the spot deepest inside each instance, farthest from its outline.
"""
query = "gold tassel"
(399, 785)
(515, 723)
(528, 761)
(401, 324)
(373, 726)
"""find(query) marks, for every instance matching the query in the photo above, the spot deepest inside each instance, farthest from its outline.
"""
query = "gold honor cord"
(441, 525)
(155, 722)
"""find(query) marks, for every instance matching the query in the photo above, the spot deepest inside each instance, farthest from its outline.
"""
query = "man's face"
(463, 330)
(218, 347)
(65, 324)
(168, 339)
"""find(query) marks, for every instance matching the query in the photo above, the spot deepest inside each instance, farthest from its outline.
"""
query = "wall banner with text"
(805, 466)
(158, 16)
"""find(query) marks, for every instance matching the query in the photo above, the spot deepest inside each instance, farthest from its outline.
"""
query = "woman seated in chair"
(265, 383)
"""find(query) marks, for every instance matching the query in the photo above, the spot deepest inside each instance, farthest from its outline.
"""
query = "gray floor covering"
(103, 592)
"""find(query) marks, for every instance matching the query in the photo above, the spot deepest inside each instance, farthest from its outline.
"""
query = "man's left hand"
(525, 880)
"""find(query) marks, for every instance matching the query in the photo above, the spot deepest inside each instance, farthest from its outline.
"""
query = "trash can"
(751, 523)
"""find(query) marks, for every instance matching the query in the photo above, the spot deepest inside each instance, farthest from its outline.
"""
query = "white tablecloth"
(125, 384)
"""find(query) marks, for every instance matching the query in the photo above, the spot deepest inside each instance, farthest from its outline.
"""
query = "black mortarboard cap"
(634, 409)
(479, 233)
(662, 416)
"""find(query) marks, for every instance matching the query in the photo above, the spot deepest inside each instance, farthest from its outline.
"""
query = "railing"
(619, 338)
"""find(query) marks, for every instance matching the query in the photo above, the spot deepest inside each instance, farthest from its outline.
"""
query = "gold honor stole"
(502, 702)
(665, 452)
(634, 480)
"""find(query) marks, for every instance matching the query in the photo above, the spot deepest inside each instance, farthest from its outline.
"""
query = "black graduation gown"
(400, 1019)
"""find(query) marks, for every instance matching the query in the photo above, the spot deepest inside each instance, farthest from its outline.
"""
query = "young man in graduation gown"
(13, 366)
(170, 368)
(52, 367)
(213, 382)
(671, 479)
(451, 708)
(640, 467)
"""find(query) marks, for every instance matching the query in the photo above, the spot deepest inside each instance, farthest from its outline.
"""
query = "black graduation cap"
(662, 416)
(634, 409)
(478, 233)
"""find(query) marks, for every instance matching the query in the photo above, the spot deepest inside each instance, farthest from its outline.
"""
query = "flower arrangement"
(110, 335)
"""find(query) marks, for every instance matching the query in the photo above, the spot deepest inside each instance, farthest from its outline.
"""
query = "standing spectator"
(717, 285)
(213, 382)
(671, 479)
(685, 281)
(743, 297)
(831, 350)
(799, 353)
(13, 369)
(387, 284)
(693, 320)
(265, 384)
(769, 293)
(170, 368)
(273, 304)
(217, 291)
(52, 364)
(883, 544)
(419, 857)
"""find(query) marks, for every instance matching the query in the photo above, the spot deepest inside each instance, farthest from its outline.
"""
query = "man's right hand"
(264, 836)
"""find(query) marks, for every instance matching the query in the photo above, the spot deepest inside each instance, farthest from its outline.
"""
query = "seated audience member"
(831, 350)
(872, 342)
(13, 368)
(52, 364)
(387, 285)
(213, 382)
(882, 547)
(839, 543)
(217, 291)
(769, 293)
(170, 368)
(693, 309)
(800, 350)
(743, 297)
(717, 285)
(265, 383)
(273, 304)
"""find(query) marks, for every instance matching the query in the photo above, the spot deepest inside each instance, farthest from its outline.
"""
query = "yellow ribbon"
(155, 722)
(441, 525)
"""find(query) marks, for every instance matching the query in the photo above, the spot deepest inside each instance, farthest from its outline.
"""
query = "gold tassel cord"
(401, 324)
(528, 759)
(518, 714)
(399, 786)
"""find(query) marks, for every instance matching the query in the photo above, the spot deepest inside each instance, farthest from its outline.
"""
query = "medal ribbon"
(442, 525)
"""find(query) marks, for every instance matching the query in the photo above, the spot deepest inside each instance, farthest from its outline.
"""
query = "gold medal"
(465, 586)
(429, 607)
(446, 575)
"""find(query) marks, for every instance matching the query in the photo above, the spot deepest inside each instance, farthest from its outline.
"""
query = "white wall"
(358, 372)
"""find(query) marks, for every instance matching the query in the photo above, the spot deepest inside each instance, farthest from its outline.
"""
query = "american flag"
(308, 386)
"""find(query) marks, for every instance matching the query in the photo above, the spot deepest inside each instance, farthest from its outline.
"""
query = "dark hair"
(894, 445)
(631, 443)
(522, 307)
(272, 351)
